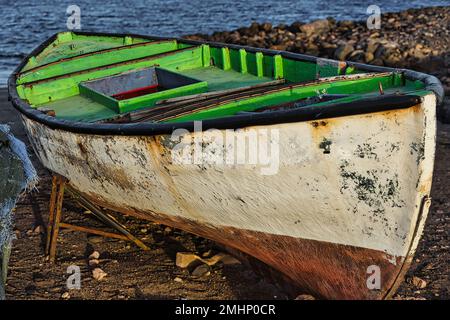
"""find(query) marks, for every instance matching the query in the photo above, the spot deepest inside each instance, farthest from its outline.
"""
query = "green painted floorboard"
(219, 79)
(79, 108)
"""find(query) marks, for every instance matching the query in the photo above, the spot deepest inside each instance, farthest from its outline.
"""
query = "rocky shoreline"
(417, 39)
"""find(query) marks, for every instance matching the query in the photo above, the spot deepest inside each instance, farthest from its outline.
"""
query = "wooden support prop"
(51, 215)
(106, 218)
(93, 231)
(57, 218)
(59, 185)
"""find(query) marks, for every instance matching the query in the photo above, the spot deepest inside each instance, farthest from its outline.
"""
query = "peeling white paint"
(365, 192)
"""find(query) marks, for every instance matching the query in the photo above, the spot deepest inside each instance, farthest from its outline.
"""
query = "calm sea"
(27, 23)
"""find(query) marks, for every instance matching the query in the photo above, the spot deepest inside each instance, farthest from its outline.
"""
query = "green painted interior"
(150, 100)
(96, 60)
(360, 88)
(79, 108)
(219, 79)
(69, 45)
(52, 78)
(143, 101)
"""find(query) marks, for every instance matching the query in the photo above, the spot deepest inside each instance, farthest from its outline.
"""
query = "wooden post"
(51, 213)
(57, 218)
(55, 213)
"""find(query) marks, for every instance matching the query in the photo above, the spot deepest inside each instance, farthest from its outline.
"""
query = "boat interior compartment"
(132, 90)
(92, 78)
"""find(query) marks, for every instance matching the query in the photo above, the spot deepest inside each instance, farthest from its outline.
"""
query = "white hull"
(369, 190)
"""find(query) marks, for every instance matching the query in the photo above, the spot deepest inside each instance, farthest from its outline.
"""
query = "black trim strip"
(380, 103)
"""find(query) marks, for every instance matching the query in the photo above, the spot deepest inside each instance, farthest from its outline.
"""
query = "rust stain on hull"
(326, 270)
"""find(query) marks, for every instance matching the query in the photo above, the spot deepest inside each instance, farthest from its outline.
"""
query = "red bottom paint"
(325, 270)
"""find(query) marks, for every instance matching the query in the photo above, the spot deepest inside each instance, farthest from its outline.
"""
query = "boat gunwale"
(370, 105)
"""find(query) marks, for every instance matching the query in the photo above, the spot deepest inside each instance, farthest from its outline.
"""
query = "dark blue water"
(27, 23)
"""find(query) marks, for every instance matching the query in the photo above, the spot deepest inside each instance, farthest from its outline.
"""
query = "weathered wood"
(214, 94)
(57, 219)
(51, 214)
(59, 185)
(106, 218)
(93, 231)
(204, 100)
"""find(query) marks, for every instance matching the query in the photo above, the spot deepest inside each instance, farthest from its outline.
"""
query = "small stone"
(369, 56)
(315, 27)
(178, 279)
(305, 297)
(167, 229)
(94, 262)
(65, 296)
(187, 259)
(95, 239)
(94, 255)
(343, 51)
(98, 274)
(37, 230)
(229, 260)
(372, 46)
(357, 55)
(418, 282)
(279, 47)
(266, 27)
(377, 62)
(201, 271)
(207, 254)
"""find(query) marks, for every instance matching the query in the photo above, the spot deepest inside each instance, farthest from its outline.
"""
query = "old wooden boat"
(342, 202)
